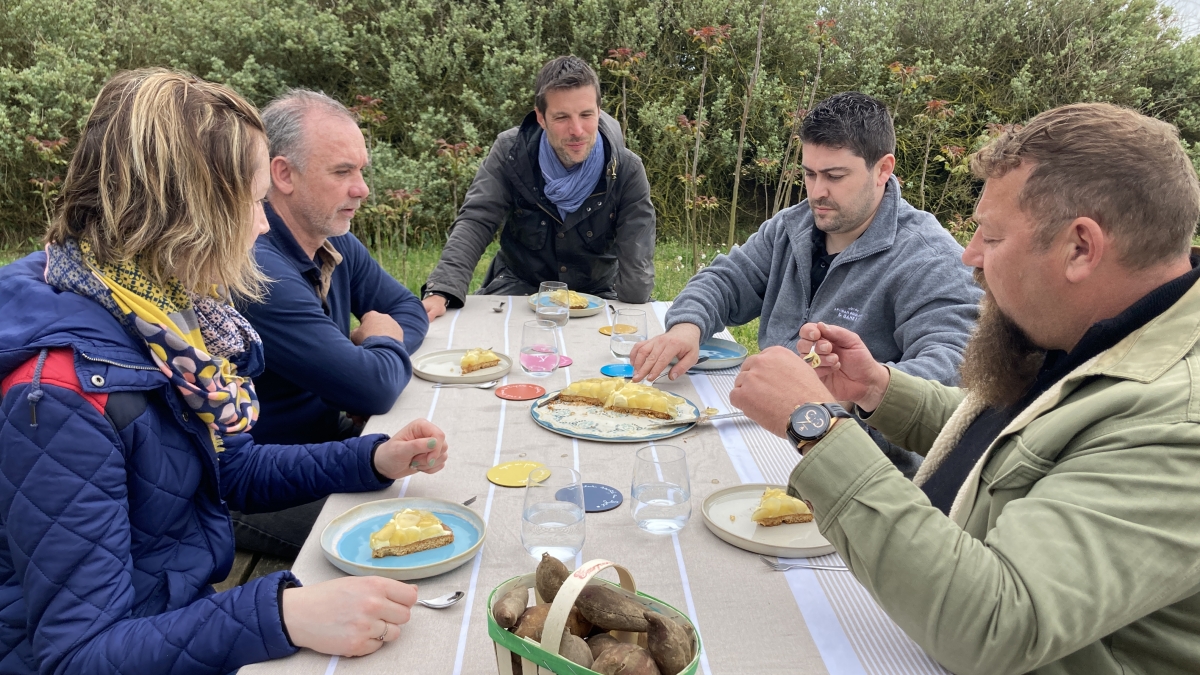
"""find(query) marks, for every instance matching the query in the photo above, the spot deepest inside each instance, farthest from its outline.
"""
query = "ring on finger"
(386, 626)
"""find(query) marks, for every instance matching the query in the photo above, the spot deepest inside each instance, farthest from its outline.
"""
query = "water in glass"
(629, 328)
(552, 519)
(660, 494)
(552, 307)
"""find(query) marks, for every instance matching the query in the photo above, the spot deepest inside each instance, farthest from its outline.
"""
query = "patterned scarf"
(193, 339)
(567, 188)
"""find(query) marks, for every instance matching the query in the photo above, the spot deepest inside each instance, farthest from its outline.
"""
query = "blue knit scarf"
(567, 188)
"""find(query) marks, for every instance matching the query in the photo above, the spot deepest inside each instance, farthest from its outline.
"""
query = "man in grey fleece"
(854, 254)
(573, 202)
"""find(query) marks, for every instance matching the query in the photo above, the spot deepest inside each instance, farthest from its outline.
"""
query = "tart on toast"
(410, 531)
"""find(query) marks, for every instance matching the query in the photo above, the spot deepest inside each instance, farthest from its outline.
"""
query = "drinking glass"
(539, 348)
(629, 328)
(552, 307)
(661, 490)
(552, 518)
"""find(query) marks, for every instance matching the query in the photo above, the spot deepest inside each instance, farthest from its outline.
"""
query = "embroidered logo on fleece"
(848, 313)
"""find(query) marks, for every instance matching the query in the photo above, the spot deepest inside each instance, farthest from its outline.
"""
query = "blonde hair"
(163, 175)
(1126, 171)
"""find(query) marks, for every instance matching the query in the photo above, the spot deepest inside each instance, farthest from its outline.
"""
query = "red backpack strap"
(51, 366)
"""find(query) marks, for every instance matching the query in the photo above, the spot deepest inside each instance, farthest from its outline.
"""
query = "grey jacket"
(901, 287)
(606, 247)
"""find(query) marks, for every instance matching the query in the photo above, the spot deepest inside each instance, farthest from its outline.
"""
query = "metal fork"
(782, 567)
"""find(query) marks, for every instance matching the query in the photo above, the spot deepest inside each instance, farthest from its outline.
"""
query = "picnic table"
(751, 619)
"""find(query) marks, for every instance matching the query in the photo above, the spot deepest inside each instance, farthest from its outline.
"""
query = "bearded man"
(854, 254)
(570, 201)
(1051, 528)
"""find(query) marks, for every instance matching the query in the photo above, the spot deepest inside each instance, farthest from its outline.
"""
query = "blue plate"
(346, 540)
(721, 354)
(595, 306)
(617, 370)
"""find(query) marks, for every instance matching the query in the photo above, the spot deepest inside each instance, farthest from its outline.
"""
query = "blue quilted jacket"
(114, 507)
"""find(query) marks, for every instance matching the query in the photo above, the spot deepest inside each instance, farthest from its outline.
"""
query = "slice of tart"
(409, 531)
(478, 359)
(572, 299)
(640, 399)
(593, 391)
(779, 508)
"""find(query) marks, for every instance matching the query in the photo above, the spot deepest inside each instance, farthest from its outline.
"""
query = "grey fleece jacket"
(901, 286)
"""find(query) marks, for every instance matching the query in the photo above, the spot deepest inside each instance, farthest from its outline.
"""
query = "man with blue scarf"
(572, 204)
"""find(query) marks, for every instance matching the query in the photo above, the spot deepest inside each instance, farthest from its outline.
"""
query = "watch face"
(810, 422)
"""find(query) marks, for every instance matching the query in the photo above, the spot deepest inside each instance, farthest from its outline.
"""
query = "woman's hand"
(347, 616)
(418, 447)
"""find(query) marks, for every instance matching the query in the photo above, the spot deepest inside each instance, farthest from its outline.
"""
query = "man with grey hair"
(572, 203)
(321, 378)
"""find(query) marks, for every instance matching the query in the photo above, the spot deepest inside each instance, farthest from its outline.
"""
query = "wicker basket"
(536, 660)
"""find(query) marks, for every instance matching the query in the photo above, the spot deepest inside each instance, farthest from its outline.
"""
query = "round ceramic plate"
(721, 354)
(593, 423)
(445, 366)
(594, 307)
(727, 513)
(346, 540)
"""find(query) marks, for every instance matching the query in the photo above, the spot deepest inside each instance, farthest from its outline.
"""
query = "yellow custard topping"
(407, 527)
(595, 390)
(478, 359)
(777, 505)
(570, 298)
(643, 399)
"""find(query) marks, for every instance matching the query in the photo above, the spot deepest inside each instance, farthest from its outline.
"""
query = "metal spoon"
(442, 601)
(482, 385)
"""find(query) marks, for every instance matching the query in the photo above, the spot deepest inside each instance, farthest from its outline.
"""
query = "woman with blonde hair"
(126, 393)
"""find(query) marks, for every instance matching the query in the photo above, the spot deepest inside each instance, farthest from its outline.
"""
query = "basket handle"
(556, 619)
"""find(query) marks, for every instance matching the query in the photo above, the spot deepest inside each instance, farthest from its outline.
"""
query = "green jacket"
(1074, 545)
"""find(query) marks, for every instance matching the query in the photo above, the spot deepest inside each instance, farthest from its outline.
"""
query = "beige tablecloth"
(752, 620)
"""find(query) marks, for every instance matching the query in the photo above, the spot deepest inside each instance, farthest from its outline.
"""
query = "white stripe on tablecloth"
(333, 660)
(487, 512)
(881, 647)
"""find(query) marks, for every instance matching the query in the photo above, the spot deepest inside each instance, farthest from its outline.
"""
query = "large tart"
(478, 359)
(779, 508)
(409, 531)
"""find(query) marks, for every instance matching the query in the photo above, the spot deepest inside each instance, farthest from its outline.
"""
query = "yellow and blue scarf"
(193, 339)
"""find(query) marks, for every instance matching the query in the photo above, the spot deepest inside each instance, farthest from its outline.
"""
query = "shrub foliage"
(436, 80)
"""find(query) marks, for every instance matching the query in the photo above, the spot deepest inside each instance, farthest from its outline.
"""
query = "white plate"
(798, 540)
(593, 423)
(445, 366)
(595, 306)
(344, 544)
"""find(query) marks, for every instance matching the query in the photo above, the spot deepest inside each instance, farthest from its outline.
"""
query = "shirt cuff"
(896, 412)
(833, 470)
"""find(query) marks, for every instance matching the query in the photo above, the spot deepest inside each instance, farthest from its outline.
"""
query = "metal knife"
(696, 420)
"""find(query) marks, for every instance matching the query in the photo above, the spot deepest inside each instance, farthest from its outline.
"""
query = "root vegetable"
(610, 610)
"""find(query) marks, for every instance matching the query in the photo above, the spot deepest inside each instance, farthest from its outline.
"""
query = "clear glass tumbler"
(539, 348)
(553, 302)
(552, 518)
(629, 328)
(661, 492)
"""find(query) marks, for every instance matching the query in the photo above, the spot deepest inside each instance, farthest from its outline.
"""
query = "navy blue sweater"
(314, 372)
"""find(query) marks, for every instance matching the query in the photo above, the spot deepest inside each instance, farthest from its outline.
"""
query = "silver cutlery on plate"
(783, 567)
(453, 385)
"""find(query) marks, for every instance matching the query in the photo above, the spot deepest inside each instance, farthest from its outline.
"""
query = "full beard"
(1000, 362)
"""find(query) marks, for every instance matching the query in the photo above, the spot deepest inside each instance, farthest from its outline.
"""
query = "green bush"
(461, 72)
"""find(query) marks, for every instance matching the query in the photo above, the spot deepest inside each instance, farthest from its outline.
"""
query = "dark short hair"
(851, 120)
(1126, 171)
(564, 72)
